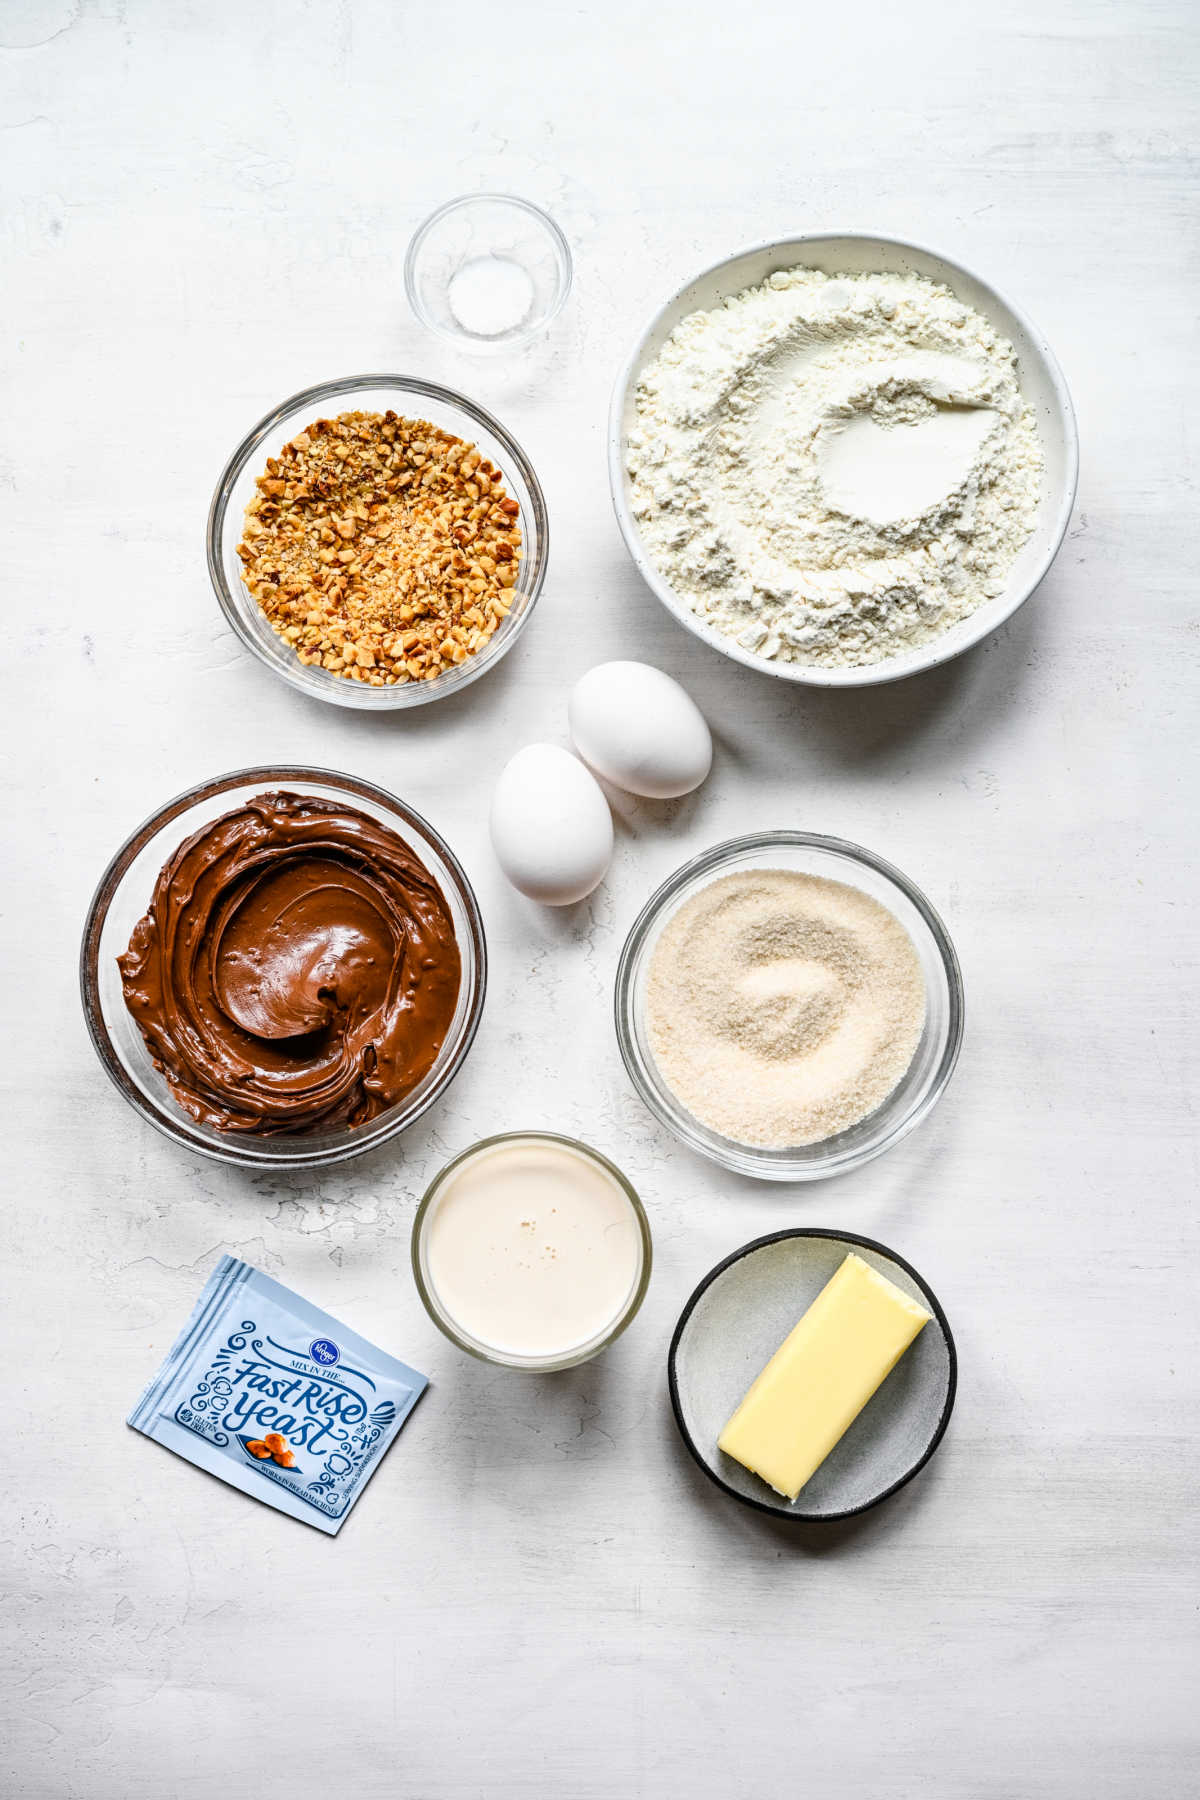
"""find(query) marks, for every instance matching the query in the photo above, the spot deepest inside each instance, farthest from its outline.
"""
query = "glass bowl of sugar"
(789, 1005)
(488, 271)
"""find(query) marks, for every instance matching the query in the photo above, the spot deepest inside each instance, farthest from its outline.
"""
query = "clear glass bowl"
(487, 271)
(936, 1054)
(372, 393)
(122, 898)
(450, 1326)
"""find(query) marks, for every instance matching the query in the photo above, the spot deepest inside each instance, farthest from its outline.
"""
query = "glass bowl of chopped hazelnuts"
(378, 542)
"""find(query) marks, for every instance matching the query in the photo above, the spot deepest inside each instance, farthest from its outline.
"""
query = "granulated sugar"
(781, 1007)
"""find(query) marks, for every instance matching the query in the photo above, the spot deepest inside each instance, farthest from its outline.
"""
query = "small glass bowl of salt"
(487, 271)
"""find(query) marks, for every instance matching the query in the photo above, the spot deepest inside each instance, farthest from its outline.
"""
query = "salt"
(490, 296)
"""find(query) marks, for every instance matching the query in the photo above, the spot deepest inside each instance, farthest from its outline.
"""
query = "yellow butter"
(822, 1375)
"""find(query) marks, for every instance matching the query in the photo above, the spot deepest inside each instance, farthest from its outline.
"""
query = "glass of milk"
(531, 1250)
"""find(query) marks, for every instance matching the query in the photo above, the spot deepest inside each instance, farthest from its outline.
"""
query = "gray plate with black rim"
(736, 1320)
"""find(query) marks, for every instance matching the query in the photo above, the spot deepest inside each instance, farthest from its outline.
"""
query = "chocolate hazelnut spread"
(297, 969)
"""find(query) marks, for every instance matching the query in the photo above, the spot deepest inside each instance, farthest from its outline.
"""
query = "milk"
(532, 1248)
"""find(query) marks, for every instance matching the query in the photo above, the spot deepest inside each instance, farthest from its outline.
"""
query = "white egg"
(551, 828)
(638, 729)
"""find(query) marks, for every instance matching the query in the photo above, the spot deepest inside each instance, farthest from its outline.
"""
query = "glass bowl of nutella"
(283, 967)
(532, 1251)
(378, 541)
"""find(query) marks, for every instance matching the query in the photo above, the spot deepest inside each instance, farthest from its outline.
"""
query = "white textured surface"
(206, 207)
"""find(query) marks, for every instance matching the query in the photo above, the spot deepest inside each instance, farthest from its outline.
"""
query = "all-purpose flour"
(834, 469)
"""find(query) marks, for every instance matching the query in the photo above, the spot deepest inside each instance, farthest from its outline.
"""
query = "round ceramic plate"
(734, 1323)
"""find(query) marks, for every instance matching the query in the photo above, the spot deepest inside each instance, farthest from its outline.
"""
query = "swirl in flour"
(834, 469)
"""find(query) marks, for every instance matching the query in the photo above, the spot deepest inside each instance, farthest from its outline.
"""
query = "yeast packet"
(277, 1398)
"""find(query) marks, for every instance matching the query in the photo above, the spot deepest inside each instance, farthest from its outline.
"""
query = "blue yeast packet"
(277, 1398)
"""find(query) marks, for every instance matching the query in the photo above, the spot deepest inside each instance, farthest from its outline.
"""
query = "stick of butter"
(822, 1375)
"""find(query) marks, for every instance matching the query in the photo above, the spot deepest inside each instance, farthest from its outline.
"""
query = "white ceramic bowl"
(857, 253)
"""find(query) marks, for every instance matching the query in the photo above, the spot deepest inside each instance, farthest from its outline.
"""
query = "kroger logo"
(323, 1351)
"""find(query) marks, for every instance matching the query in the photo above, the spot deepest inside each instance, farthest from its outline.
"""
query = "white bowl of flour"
(841, 459)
